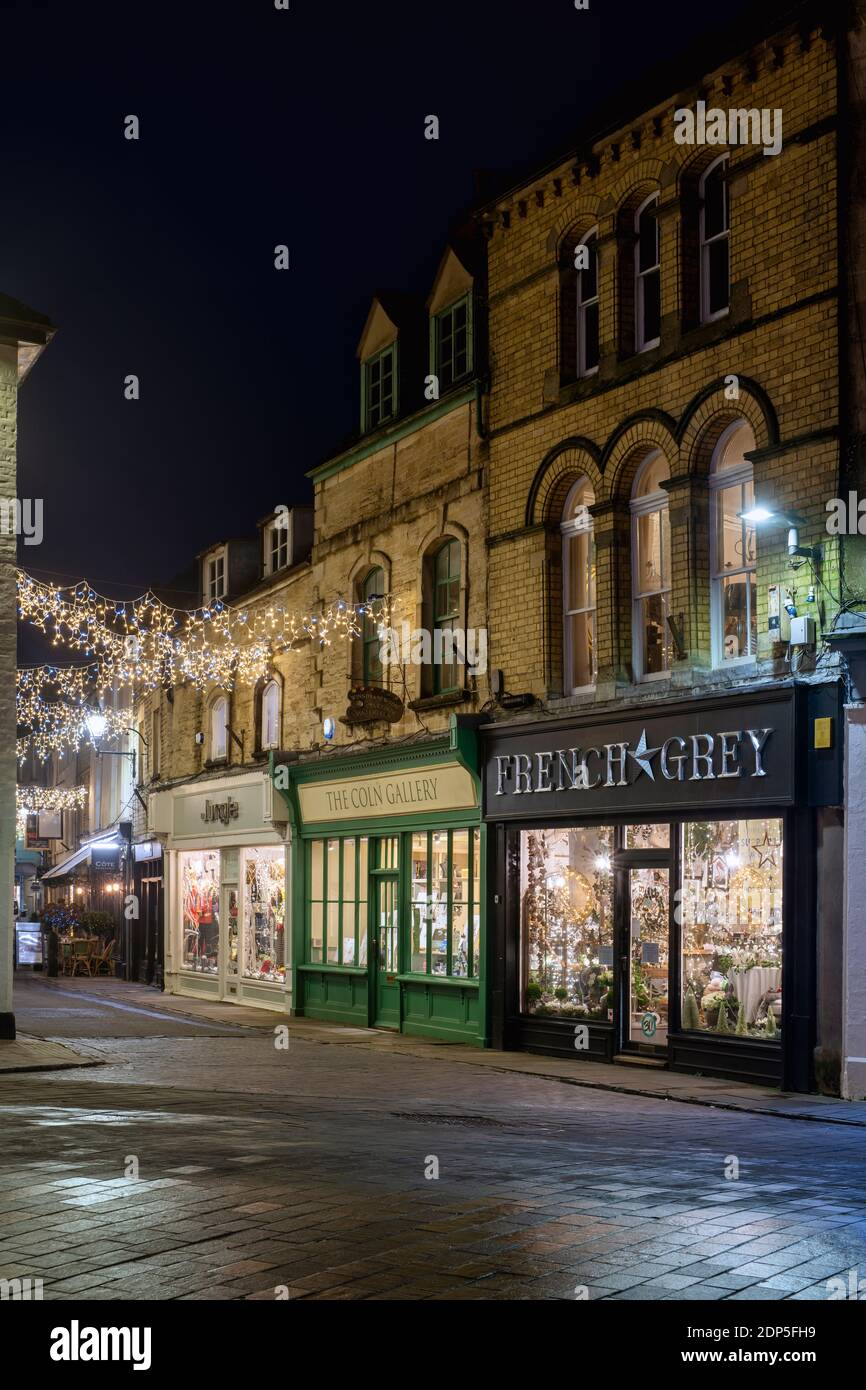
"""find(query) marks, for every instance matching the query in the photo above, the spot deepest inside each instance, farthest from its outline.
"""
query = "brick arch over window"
(580, 213)
(558, 471)
(629, 445)
(710, 413)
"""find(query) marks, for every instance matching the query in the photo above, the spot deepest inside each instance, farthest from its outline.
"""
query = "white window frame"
(642, 344)
(278, 538)
(212, 561)
(569, 529)
(219, 750)
(271, 690)
(642, 507)
(718, 483)
(707, 242)
(582, 305)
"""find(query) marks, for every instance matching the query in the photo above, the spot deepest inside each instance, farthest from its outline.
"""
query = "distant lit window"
(215, 577)
(715, 229)
(647, 270)
(219, 718)
(733, 557)
(277, 544)
(271, 715)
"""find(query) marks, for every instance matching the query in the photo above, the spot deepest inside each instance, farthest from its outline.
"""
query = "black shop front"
(654, 882)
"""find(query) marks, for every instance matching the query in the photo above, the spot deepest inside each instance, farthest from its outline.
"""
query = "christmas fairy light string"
(30, 800)
(146, 643)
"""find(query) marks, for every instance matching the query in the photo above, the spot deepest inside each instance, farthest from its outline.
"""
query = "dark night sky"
(257, 127)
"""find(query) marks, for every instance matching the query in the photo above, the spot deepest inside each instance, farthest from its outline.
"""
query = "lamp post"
(96, 726)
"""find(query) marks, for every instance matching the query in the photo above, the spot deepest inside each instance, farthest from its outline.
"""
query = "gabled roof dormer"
(452, 321)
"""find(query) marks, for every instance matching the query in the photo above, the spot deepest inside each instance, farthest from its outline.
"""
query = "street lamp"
(96, 724)
(763, 515)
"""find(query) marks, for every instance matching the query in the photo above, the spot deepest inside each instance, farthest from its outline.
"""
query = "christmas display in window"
(200, 890)
(732, 927)
(566, 896)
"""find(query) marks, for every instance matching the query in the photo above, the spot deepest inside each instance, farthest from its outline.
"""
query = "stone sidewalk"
(624, 1079)
(33, 1054)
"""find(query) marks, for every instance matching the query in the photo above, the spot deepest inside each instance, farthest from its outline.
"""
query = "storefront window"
(264, 879)
(566, 898)
(200, 888)
(647, 836)
(445, 903)
(732, 927)
(337, 909)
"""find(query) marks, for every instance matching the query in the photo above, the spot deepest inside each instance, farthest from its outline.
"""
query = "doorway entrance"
(646, 961)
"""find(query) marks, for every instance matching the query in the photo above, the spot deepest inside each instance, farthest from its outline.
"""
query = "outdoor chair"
(102, 962)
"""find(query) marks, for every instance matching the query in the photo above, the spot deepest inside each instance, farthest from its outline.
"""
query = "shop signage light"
(693, 758)
(223, 811)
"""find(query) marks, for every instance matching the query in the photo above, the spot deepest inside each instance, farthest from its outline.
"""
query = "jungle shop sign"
(724, 757)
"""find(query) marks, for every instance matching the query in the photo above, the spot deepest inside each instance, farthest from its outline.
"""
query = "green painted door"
(386, 959)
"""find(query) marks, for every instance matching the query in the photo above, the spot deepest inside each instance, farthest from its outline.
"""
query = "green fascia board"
(459, 744)
(392, 433)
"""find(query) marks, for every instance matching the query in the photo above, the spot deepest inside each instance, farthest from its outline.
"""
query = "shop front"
(656, 878)
(224, 873)
(389, 873)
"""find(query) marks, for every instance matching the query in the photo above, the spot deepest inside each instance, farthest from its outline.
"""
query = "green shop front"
(388, 887)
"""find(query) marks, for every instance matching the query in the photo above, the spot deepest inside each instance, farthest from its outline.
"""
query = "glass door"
(646, 985)
(386, 953)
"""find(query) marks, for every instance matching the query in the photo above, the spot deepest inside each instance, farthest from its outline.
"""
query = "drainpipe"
(482, 387)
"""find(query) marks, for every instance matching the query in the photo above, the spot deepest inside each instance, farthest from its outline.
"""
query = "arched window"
(587, 304)
(373, 588)
(270, 724)
(578, 589)
(651, 568)
(445, 611)
(219, 718)
(733, 559)
(714, 234)
(647, 275)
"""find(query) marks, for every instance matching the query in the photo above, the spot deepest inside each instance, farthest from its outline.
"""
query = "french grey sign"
(679, 760)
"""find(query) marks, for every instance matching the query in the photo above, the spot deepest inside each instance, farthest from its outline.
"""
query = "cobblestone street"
(268, 1173)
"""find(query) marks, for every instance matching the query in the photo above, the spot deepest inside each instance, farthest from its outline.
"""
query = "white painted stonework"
(853, 1001)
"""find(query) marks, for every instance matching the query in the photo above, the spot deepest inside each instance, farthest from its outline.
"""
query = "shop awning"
(78, 856)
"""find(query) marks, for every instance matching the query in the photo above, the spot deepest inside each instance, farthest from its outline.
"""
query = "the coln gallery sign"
(682, 759)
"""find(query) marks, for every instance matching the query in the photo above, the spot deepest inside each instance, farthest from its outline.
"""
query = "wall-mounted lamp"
(762, 515)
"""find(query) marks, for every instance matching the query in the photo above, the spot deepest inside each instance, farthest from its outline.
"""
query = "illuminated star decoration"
(643, 755)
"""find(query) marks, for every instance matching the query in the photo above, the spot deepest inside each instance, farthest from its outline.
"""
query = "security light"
(763, 515)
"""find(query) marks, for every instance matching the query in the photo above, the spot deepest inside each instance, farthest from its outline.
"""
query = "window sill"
(338, 969)
(443, 701)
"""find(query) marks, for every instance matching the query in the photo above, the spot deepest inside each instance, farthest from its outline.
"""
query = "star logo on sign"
(643, 755)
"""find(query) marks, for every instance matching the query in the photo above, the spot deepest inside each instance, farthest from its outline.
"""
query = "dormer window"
(452, 342)
(380, 388)
(215, 576)
(277, 544)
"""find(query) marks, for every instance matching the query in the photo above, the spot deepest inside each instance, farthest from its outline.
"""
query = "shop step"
(634, 1059)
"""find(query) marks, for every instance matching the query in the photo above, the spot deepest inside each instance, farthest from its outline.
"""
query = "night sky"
(155, 257)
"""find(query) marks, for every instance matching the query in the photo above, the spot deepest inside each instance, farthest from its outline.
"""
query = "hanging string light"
(146, 643)
(30, 800)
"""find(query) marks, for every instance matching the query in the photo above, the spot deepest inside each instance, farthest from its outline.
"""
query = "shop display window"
(445, 903)
(732, 927)
(337, 907)
(567, 922)
(264, 889)
(647, 836)
(200, 889)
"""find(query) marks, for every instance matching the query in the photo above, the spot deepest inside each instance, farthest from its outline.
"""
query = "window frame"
(641, 343)
(440, 621)
(369, 628)
(367, 422)
(641, 507)
(282, 530)
(718, 482)
(217, 757)
(473, 873)
(217, 558)
(704, 243)
(362, 896)
(569, 529)
(436, 335)
(270, 685)
(581, 307)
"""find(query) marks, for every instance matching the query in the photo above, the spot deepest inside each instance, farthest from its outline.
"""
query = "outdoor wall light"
(96, 724)
(762, 515)
(329, 728)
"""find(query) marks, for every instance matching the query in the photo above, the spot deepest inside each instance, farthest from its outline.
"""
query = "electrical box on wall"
(773, 610)
(802, 632)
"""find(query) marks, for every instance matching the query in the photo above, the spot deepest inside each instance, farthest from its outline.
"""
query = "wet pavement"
(203, 1161)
